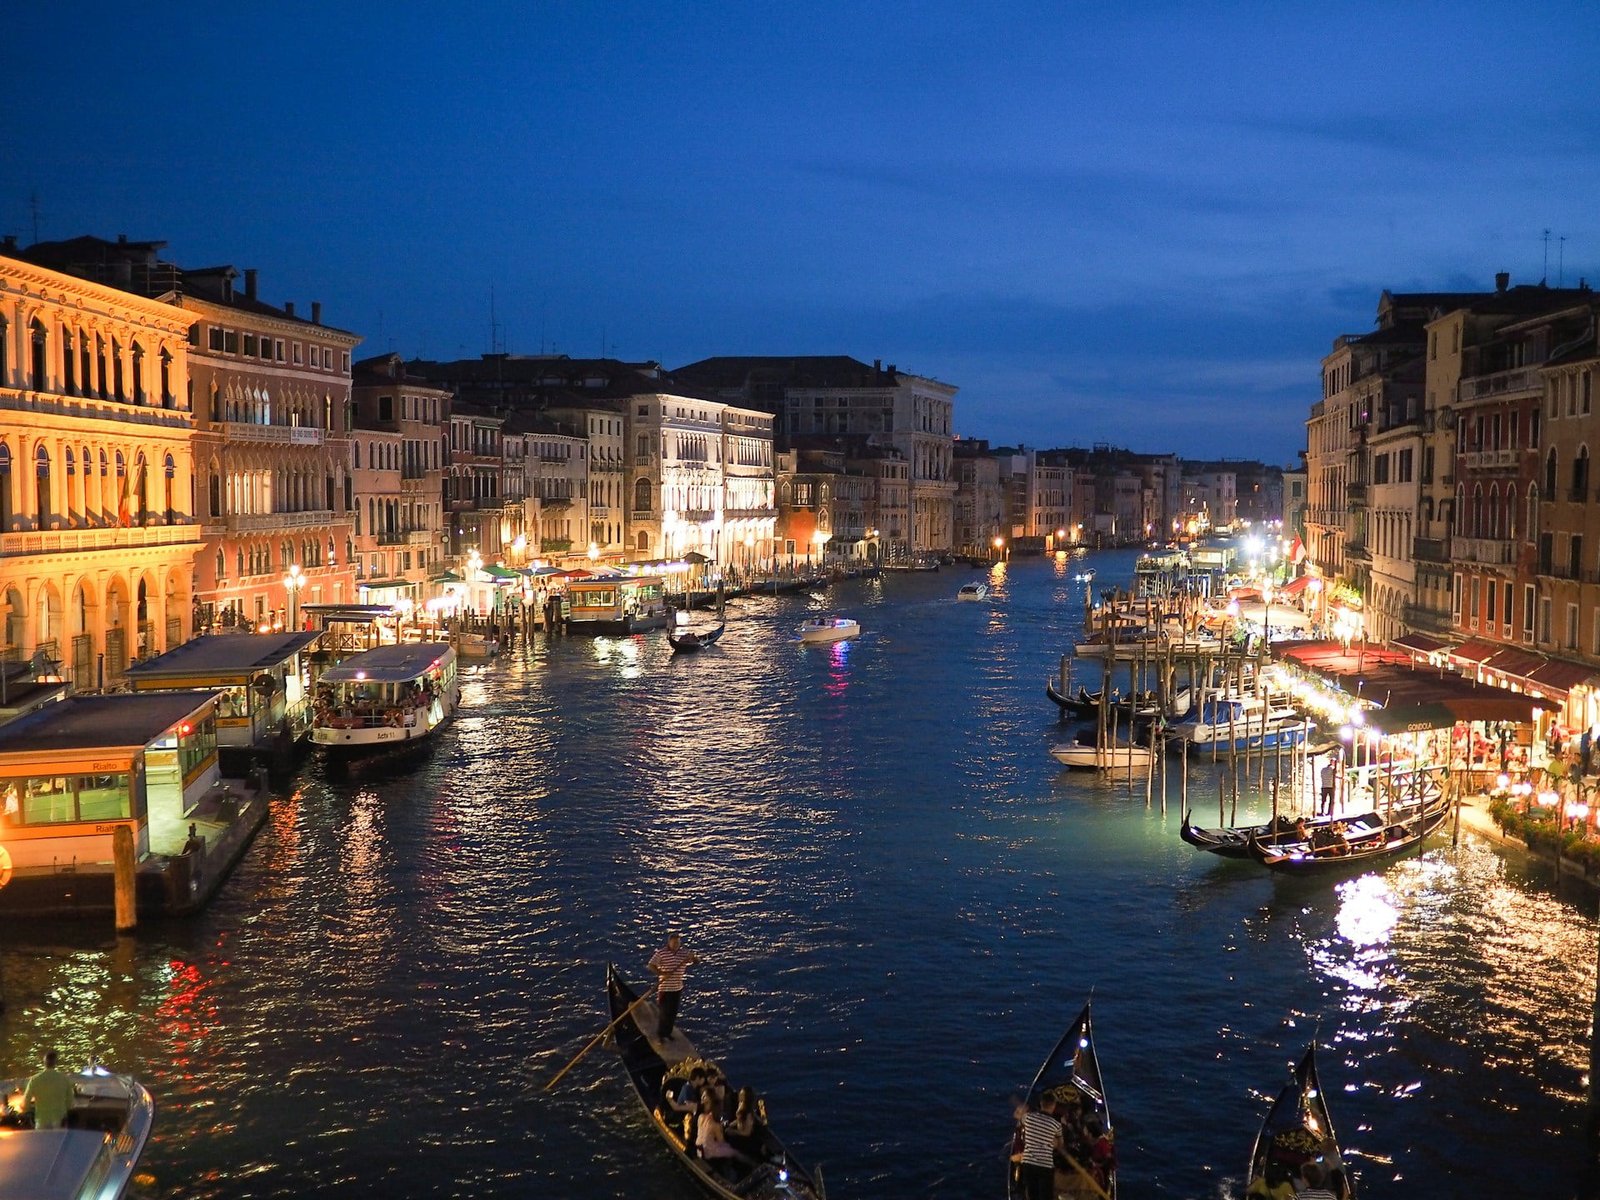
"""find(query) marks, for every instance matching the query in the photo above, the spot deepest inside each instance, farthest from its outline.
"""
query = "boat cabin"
(73, 771)
(410, 687)
(260, 678)
(616, 604)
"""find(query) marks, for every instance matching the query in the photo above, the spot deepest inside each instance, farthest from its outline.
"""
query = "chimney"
(122, 239)
(316, 312)
(1502, 280)
(10, 242)
(288, 307)
(249, 283)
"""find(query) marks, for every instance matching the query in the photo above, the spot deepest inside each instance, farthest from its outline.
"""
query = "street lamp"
(292, 583)
(999, 545)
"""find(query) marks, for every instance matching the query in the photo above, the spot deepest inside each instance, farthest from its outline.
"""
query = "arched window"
(641, 496)
(124, 510)
(1533, 512)
(118, 388)
(215, 491)
(69, 495)
(1493, 513)
(41, 493)
(1475, 527)
(167, 398)
(1511, 511)
(40, 343)
(222, 565)
(138, 373)
(141, 490)
(170, 472)
(1580, 474)
(69, 362)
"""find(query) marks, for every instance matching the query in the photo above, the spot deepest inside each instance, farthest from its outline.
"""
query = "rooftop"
(225, 653)
(91, 722)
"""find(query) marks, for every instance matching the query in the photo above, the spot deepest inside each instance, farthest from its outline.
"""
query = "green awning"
(501, 573)
(447, 577)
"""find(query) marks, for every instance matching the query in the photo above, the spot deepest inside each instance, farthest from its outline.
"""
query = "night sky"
(1138, 223)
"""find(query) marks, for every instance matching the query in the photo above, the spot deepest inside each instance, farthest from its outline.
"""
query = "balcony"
(1491, 460)
(1501, 385)
(1494, 552)
(283, 435)
(111, 537)
(273, 522)
(390, 537)
(1432, 550)
(643, 514)
(1426, 620)
(1357, 552)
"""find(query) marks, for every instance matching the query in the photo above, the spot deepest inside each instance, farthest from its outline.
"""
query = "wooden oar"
(1092, 1181)
(598, 1038)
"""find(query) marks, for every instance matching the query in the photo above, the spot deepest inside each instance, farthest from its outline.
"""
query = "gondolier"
(1041, 1138)
(668, 964)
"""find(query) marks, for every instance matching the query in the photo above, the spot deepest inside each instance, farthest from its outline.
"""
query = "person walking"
(49, 1095)
(668, 964)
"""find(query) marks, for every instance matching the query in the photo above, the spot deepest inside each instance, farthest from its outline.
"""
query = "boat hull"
(1370, 838)
(1115, 758)
(352, 742)
(1298, 1128)
(108, 1127)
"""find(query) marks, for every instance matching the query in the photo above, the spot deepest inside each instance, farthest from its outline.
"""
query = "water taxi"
(616, 604)
(973, 591)
(385, 697)
(93, 1155)
(821, 630)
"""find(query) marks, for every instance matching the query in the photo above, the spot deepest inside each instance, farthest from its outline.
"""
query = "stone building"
(97, 530)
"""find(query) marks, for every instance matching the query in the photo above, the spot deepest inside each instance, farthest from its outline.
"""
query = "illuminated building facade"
(97, 531)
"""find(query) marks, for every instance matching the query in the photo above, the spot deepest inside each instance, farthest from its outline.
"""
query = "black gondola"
(1234, 842)
(1072, 1075)
(1084, 704)
(693, 639)
(1361, 839)
(1297, 1139)
(653, 1068)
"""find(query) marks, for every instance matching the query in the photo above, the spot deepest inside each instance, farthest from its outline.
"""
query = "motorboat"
(385, 697)
(1084, 576)
(93, 1156)
(1085, 754)
(821, 630)
(973, 591)
(1226, 724)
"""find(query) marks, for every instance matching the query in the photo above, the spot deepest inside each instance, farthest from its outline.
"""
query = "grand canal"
(901, 901)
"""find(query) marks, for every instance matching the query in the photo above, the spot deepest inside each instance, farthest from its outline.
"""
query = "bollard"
(122, 860)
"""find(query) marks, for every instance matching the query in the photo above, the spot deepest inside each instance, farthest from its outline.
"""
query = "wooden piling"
(124, 878)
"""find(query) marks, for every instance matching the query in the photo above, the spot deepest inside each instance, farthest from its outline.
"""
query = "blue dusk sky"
(1138, 223)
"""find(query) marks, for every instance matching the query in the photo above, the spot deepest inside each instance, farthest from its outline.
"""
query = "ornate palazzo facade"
(97, 529)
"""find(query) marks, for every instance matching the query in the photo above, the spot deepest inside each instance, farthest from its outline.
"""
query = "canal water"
(901, 901)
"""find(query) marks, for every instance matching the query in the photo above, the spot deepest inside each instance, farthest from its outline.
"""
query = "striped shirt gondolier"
(1039, 1133)
(671, 964)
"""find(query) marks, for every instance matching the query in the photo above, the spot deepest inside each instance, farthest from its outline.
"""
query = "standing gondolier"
(1041, 1138)
(669, 963)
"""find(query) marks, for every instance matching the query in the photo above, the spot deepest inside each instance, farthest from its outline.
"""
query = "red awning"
(1558, 676)
(1520, 663)
(1420, 642)
(1295, 586)
(1475, 650)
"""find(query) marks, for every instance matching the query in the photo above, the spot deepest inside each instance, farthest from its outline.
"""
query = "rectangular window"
(1572, 627)
(327, 358)
(1380, 469)
(1586, 380)
(1473, 609)
(344, 362)
(214, 338)
(1427, 464)
(1544, 619)
(1594, 646)
(230, 342)
(277, 349)
(1493, 593)
(1404, 470)
(297, 354)
(1506, 616)
(1527, 612)
(249, 345)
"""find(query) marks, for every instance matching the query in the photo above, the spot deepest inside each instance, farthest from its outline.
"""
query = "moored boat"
(1083, 704)
(1296, 1144)
(1234, 841)
(1119, 756)
(973, 591)
(828, 629)
(656, 1069)
(1228, 724)
(93, 1157)
(385, 697)
(1071, 1075)
(1342, 843)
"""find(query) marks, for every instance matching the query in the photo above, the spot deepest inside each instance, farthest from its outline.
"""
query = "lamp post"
(292, 583)
(999, 547)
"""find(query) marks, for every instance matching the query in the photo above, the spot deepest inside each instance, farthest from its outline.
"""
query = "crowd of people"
(726, 1131)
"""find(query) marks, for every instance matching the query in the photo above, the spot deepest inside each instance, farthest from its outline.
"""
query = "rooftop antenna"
(1545, 275)
(1561, 262)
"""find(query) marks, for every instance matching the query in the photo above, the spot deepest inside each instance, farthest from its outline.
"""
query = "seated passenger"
(747, 1132)
(687, 1099)
(711, 1139)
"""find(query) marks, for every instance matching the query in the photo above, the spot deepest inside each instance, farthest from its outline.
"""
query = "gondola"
(1234, 842)
(1072, 1075)
(693, 639)
(1297, 1138)
(1082, 705)
(654, 1067)
(1367, 837)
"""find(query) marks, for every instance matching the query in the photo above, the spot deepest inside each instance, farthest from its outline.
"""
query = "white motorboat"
(384, 697)
(1229, 723)
(820, 630)
(93, 1157)
(1084, 576)
(1120, 756)
(973, 591)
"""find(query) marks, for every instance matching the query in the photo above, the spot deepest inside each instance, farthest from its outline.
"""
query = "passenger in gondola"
(747, 1132)
(1274, 1184)
(1338, 840)
(687, 1097)
(1102, 1154)
(711, 1139)
(1302, 832)
(1314, 1186)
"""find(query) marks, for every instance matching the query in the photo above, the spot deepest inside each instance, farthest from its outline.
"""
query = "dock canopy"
(222, 656)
